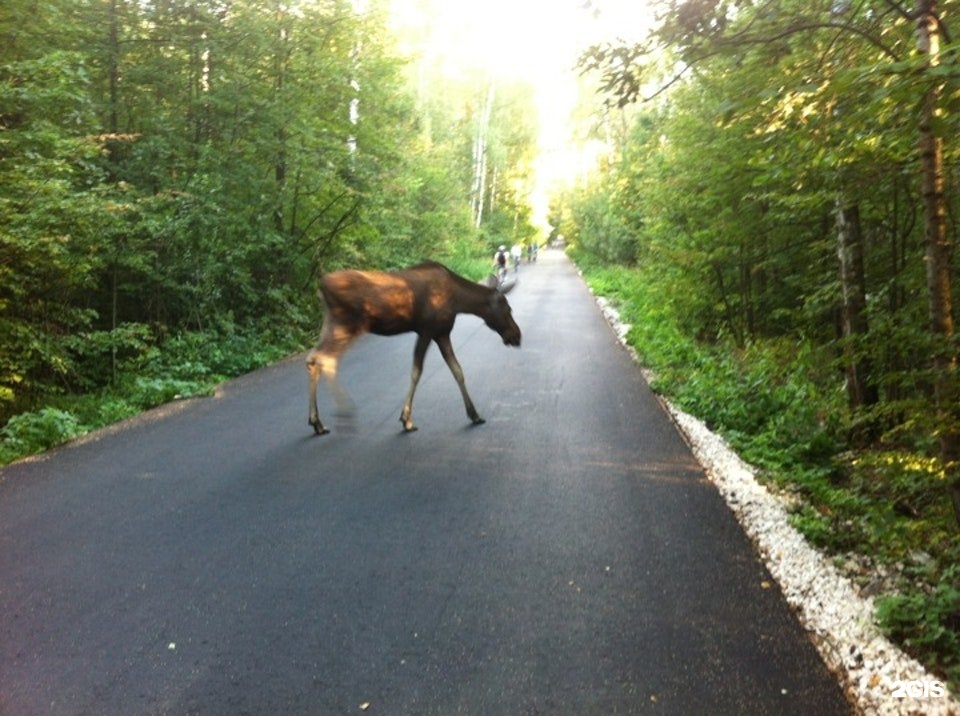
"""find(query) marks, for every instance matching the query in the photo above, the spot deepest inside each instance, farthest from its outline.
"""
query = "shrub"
(32, 432)
(149, 392)
(927, 622)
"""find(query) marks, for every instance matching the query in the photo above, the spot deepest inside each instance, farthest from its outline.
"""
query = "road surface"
(567, 557)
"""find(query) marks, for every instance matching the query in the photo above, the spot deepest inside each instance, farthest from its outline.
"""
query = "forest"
(777, 223)
(776, 220)
(176, 174)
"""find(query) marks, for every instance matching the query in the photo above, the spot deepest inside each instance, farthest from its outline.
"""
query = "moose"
(425, 299)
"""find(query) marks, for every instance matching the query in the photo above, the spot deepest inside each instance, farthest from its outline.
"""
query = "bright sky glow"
(534, 41)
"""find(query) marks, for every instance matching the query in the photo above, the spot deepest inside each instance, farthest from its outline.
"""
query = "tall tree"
(938, 244)
(480, 154)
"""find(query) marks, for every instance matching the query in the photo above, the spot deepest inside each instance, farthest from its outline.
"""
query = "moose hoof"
(478, 420)
(318, 429)
(408, 426)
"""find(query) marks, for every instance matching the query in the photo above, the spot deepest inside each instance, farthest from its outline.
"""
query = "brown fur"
(425, 299)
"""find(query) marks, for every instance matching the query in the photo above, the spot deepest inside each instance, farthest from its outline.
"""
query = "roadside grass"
(882, 514)
(186, 365)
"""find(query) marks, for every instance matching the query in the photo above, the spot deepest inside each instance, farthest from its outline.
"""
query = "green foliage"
(770, 398)
(465, 260)
(599, 227)
(46, 211)
(150, 372)
(927, 622)
(819, 529)
(109, 410)
(95, 356)
(147, 392)
(37, 431)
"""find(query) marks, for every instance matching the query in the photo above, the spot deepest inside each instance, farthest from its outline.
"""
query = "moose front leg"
(314, 370)
(446, 350)
(418, 354)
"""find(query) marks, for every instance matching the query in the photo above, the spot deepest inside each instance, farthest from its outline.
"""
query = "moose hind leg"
(446, 350)
(323, 360)
(321, 363)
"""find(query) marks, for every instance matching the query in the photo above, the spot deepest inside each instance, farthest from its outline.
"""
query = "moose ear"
(490, 282)
(506, 286)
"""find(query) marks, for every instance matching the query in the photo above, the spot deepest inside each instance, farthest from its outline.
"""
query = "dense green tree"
(49, 203)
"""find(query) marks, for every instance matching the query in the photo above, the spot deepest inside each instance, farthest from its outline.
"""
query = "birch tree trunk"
(937, 256)
(480, 158)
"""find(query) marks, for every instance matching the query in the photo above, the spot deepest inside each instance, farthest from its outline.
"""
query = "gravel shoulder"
(876, 675)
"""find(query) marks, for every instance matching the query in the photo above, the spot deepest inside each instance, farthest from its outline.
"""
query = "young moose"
(425, 299)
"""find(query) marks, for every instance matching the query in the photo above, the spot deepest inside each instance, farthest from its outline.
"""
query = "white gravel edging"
(840, 620)
(878, 678)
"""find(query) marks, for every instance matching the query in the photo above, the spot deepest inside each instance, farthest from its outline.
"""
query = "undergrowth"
(781, 407)
(153, 372)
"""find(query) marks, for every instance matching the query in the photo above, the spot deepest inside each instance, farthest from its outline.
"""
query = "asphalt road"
(567, 557)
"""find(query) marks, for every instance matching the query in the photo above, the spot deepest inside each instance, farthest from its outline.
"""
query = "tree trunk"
(113, 121)
(747, 313)
(480, 158)
(113, 70)
(861, 391)
(938, 252)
